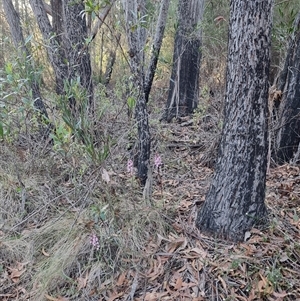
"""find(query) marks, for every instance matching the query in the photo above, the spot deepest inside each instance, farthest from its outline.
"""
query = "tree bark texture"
(235, 201)
(136, 37)
(55, 52)
(157, 42)
(184, 83)
(76, 47)
(288, 136)
(14, 22)
(111, 61)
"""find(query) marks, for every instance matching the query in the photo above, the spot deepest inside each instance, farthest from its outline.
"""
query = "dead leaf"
(121, 279)
(82, 282)
(59, 298)
(116, 296)
(154, 296)
(247, 235)
(16, 274)
(280, 295)
(283, 257)
(176, 243)
(185, 204)
(223, 283)
(45, 253)
(264, 285)
(105, 176)
(178, 284)
(199, 251)
(158, 269)
(50, 298)
(219, 19)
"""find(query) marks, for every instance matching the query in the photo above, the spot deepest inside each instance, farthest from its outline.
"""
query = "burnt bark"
(55, 52)
(235, 201)
(111, 62)
(184, 83)
(57, 19)
(136, 41)
(77, 49)
(288, 136)
(156, 45)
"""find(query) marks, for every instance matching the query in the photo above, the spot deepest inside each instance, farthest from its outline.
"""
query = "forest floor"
(71, 229)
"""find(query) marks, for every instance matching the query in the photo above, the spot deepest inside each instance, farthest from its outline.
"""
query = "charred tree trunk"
(55, 52)
(235, 201)
(77, 48)
(13, 20)
(56, 10)
(184, 82)
(136, 42)
(288, 136)
(156, 45)
(111, 62)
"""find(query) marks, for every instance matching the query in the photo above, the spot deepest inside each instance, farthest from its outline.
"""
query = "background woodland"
(107, 157)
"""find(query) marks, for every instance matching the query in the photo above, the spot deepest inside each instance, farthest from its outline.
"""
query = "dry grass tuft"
(49, 213)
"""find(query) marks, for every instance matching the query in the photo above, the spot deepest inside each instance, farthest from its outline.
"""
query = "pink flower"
(130, 166)
(95, 241)
(157, 161)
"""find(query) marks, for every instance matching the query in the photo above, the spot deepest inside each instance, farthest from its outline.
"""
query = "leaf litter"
(173, 261)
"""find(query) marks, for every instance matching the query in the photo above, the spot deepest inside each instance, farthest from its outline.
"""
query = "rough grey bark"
(184, 83)
(283, 76)
(111, 61)
(288, 137)
(55, 52)
(3, 34)
(235, 201)
(136, 41)
(156, 45)
(13, 20)
(57, 19)
(17, 6)
(76, 48)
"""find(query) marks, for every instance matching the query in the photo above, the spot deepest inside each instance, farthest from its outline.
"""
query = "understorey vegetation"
(149, 155)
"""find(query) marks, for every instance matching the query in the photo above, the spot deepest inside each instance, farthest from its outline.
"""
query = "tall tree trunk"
(57, 20)
(111, 61)
(184, 83)
(3, 34)
(288, 138)
(136, 42)
(56, 10)
(77, 47)
(235, 201)
(156, 45)
(55, 52)
(13, 20)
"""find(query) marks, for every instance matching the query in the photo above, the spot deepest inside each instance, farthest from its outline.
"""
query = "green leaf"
(9, 68)
(1, 131)
(28, 39)
(131, 102)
